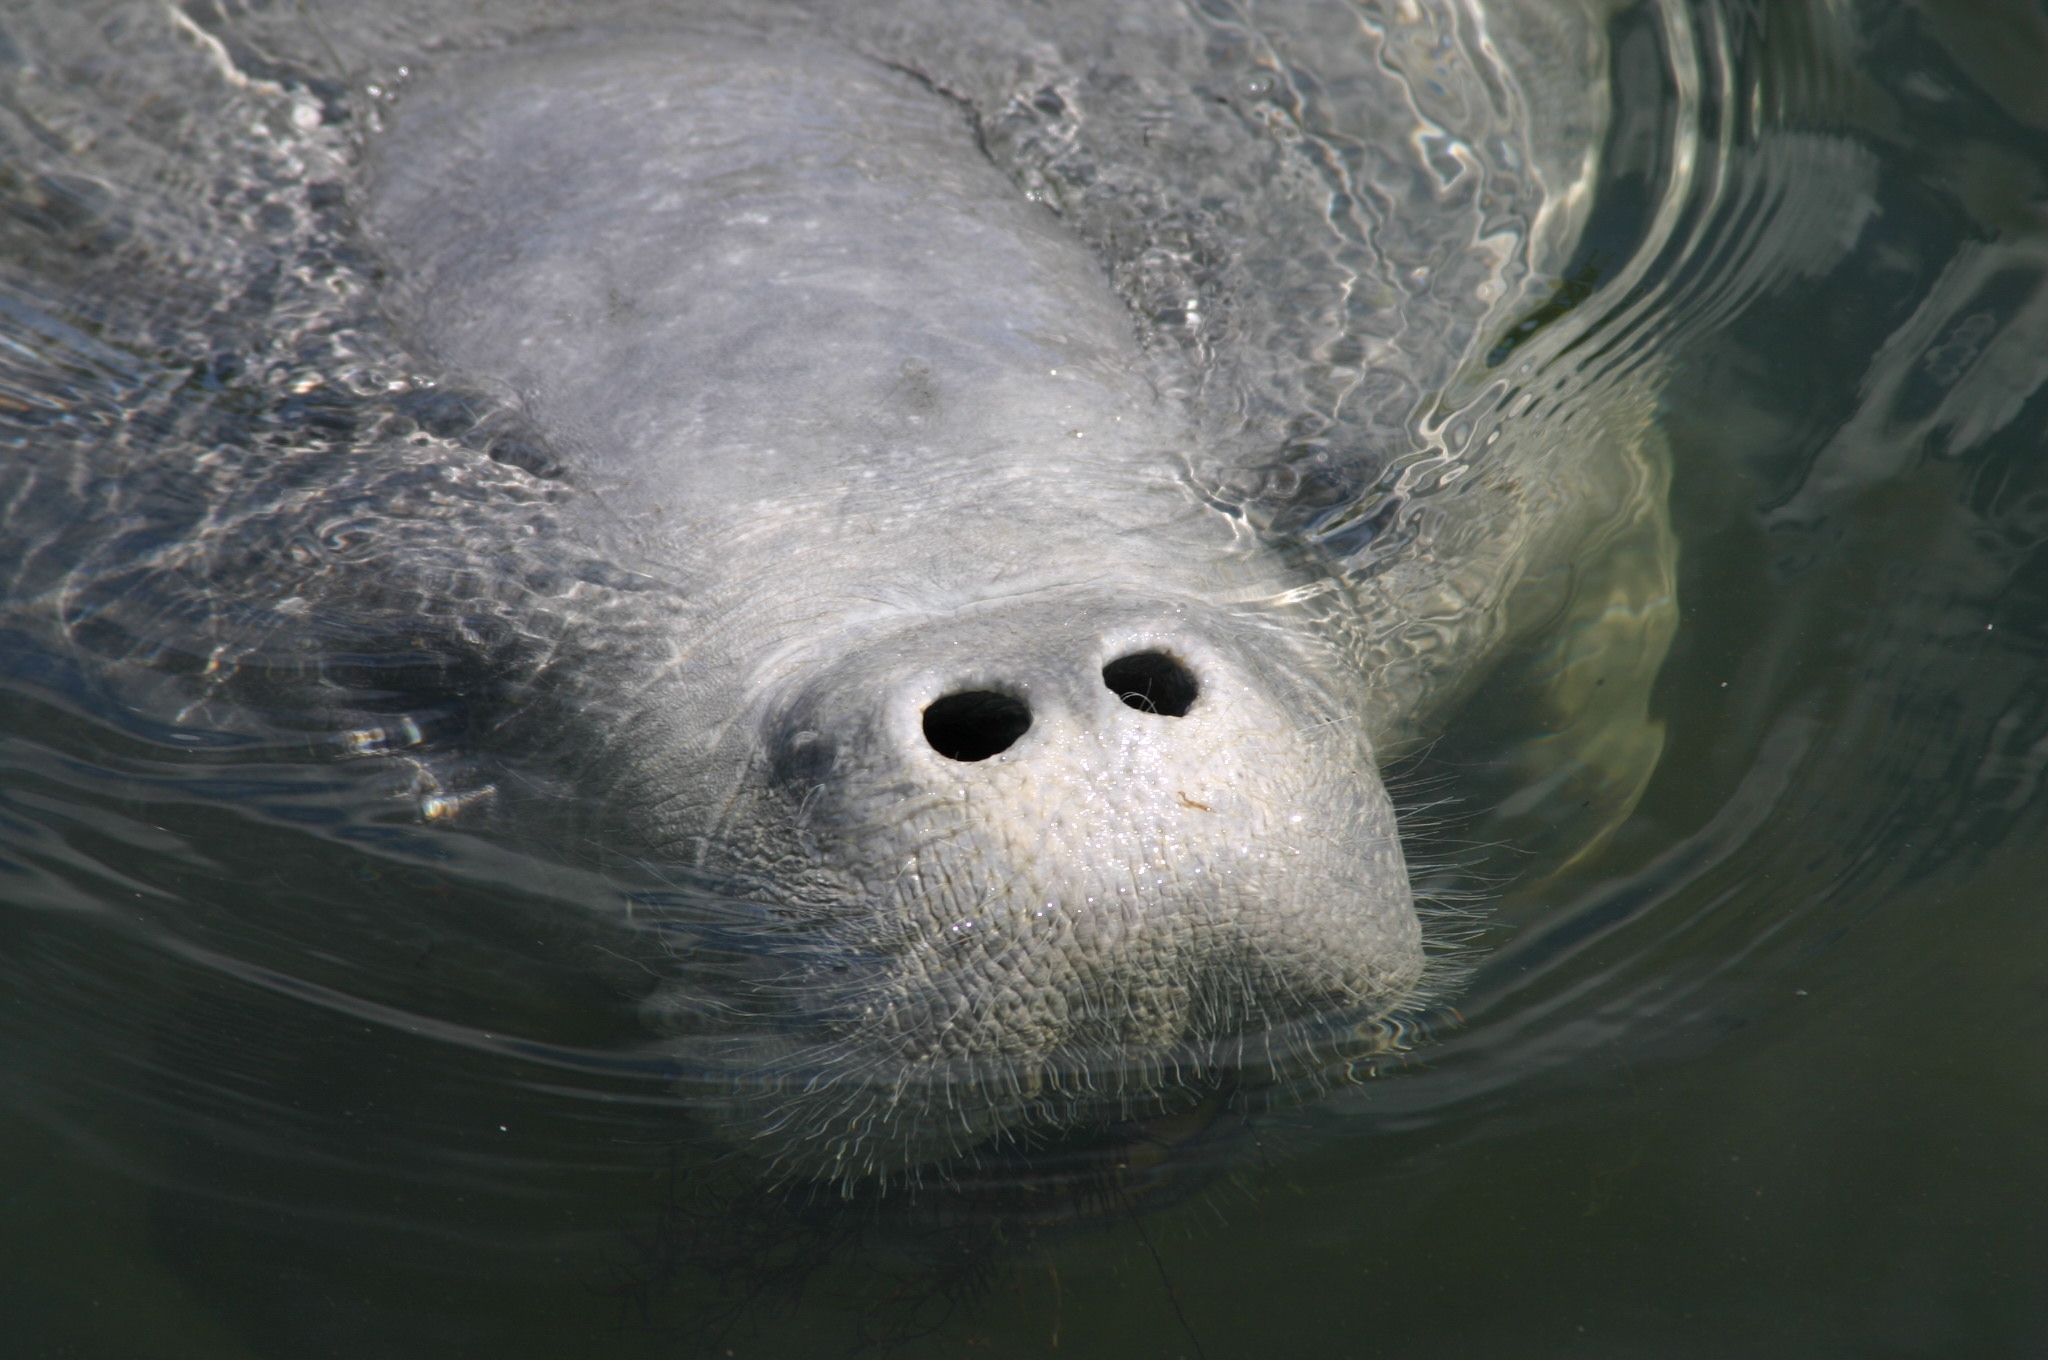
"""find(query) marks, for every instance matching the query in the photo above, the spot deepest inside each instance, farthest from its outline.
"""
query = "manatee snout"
(1043, 853)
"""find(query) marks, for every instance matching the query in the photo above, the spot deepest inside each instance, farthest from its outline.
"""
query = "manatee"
(836, 546)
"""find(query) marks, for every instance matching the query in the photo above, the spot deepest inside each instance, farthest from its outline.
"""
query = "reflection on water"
(1755, 1071)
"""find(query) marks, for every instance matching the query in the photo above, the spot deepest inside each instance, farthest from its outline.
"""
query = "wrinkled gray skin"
(885, 428)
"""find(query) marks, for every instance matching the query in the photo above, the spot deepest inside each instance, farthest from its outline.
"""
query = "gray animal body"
(890, 431)
(1036, 781)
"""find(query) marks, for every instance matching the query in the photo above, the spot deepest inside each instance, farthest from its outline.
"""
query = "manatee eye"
(975, 725)
(1151, 682)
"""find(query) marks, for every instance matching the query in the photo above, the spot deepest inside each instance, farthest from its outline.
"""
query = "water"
(1755, 1071)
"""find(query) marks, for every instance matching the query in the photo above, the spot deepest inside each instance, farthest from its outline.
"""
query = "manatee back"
(713, 271)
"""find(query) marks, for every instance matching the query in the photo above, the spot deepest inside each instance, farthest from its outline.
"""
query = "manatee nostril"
(1151, 682)
(975, 725)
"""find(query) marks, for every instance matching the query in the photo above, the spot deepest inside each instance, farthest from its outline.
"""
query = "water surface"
(1757, 1071)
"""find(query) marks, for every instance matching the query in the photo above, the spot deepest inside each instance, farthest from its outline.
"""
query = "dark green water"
(1767, 1074)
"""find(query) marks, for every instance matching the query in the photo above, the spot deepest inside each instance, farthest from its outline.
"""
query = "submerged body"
(856, 565)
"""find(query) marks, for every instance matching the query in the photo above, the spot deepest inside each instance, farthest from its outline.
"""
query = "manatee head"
(1032, 861)
(1001, 801)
